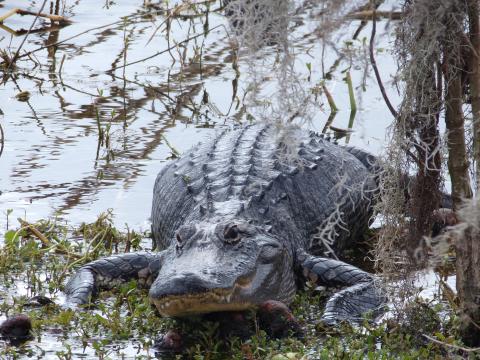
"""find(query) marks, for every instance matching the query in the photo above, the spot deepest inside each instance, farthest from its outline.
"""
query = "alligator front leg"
(360, 296)
(107, 272)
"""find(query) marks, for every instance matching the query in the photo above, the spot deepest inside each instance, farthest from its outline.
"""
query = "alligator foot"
(108, 272)
(360, 296)
(39, 301)
(277, 320)
(169, 344)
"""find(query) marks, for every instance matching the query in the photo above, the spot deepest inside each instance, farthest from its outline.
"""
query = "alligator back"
(310, 193)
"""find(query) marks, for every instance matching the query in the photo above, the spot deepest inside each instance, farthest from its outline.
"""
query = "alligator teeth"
(229, 297)
(165, 305)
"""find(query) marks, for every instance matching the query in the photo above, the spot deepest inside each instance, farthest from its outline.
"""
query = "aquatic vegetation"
(123, 323)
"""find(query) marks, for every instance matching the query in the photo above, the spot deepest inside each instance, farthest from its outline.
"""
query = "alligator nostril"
(231, 234)
(179, 239)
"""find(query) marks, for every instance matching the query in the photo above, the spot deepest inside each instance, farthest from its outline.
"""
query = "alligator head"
(224, 266)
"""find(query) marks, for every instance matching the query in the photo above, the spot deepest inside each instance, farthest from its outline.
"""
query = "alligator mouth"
(215, 300)
(184, 305)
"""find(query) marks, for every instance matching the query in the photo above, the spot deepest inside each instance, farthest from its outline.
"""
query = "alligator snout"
(189, 293)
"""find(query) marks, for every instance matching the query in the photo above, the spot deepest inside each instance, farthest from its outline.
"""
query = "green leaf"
(11, 237)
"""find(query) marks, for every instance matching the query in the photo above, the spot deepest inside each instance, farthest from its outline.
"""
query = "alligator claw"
(39, 301)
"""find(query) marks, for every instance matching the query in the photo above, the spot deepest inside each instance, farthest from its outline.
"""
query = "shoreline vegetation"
(35, 260)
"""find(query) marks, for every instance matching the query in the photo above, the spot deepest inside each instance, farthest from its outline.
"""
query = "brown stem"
(375, 67)
(2, 140)
(38, 234)
(372, 14)
(474, 79)
(15, 57)
(468, 245)
(169, 48)
(457, 155)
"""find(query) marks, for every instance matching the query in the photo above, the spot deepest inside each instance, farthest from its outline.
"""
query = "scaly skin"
(234, 224)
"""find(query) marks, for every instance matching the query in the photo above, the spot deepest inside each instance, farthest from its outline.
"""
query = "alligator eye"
(231, 234)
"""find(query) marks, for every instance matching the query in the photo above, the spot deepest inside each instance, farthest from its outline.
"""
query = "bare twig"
(75, 36)
(328, 124)
(45, 241)
(168, 49)
(22, 32)
(176, 12)
(371, 14)
(152, 88)
(15, 57)
(462, 348)
(331, 102)
(61, 66)
(375, 67)
(35, 232)
(2, 139)
(56, 18)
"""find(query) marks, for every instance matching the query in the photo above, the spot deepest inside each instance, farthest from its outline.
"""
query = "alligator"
(240, 219)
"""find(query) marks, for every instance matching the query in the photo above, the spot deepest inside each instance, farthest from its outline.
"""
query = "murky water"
(178, 86)
(52, 163)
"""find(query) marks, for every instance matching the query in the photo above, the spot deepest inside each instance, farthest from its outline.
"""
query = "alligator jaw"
(212, 301)
(215, 300)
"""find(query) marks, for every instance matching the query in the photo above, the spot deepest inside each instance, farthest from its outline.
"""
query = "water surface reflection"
(55, 159)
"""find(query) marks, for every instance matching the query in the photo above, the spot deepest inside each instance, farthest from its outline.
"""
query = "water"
(53, 164)
(50, 164)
